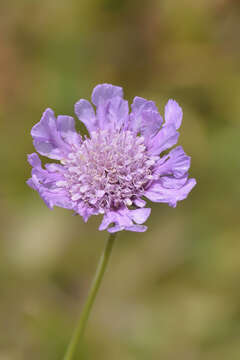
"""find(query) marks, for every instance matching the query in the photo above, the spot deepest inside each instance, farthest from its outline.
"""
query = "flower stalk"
(79, 331)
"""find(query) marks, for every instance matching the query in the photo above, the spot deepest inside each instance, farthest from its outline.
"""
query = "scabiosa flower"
(119, 164)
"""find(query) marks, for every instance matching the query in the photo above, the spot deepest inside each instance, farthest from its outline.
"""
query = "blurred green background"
(174, 291)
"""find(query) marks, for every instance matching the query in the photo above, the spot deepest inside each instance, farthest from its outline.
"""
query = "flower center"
(108, 170)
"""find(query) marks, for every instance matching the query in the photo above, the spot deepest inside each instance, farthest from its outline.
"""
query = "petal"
(136, 228)
(105, 92)
(86, 114)
(177, 163)
(118, 217)
(139, 202)
(51, 137)
(66, 128)
(116, 228)
(144, 117)
(45, 183)
(112, 114)
(139, 216)
(165, 139)
(173, 114)
(137, 104)
(54, 167)
(47, 122)
(151, 123)
(34, 160)
(118, 112)
(170, 182)
(85, 211)
(125, 219)
(157, 193)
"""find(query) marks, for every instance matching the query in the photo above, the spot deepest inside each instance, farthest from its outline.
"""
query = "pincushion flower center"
(108, 170)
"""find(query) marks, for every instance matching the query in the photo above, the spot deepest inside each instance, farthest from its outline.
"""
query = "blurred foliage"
(172, 292)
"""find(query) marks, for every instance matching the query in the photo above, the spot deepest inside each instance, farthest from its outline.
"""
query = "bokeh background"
(174, 291)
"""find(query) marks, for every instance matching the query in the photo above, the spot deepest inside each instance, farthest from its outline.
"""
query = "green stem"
(79, 331)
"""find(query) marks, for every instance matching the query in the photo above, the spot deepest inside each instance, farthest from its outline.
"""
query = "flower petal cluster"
(123, 161)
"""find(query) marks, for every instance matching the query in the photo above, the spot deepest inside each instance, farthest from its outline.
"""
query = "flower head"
(120, 162)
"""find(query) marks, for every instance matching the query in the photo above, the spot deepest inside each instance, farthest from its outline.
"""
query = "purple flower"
(110, 172)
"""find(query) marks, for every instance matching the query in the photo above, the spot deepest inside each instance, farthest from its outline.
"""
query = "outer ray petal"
(173, 114)
(105, 92)
(176, 163)
(151, 123)
(163, 140)
(86, 114)
(144, 117)
(124, 219)
(111, 109)
(112, 114)
(139, 216)
(158, 193)
(45, 183)
(67, 131)
(53, 138)
(85, 211)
